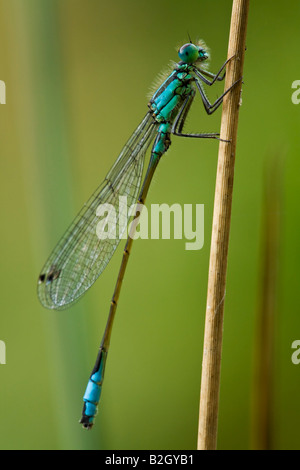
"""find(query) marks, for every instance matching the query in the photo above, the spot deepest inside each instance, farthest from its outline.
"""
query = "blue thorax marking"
(171, 94)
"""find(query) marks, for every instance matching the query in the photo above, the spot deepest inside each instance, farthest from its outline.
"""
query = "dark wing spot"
(42, 278)
(53, 274)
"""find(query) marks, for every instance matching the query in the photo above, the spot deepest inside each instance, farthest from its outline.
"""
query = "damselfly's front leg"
(214, 77)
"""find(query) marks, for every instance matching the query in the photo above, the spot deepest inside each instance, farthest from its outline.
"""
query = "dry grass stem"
(211, 365)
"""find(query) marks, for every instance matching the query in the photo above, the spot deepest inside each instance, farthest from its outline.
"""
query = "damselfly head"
(192, 53)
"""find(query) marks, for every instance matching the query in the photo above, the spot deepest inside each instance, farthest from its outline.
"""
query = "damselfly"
(82, 254)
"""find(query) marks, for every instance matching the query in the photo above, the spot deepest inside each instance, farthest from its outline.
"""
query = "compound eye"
(188, 53)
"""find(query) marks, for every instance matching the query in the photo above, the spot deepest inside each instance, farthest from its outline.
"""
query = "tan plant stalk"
(211, 365)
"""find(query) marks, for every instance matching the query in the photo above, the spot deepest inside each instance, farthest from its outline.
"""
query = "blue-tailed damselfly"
(81, 255)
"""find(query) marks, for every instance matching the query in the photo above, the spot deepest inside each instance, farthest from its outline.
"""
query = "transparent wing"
(84, 251)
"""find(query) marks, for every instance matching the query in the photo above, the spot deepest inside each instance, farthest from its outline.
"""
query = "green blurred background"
(77, 74)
